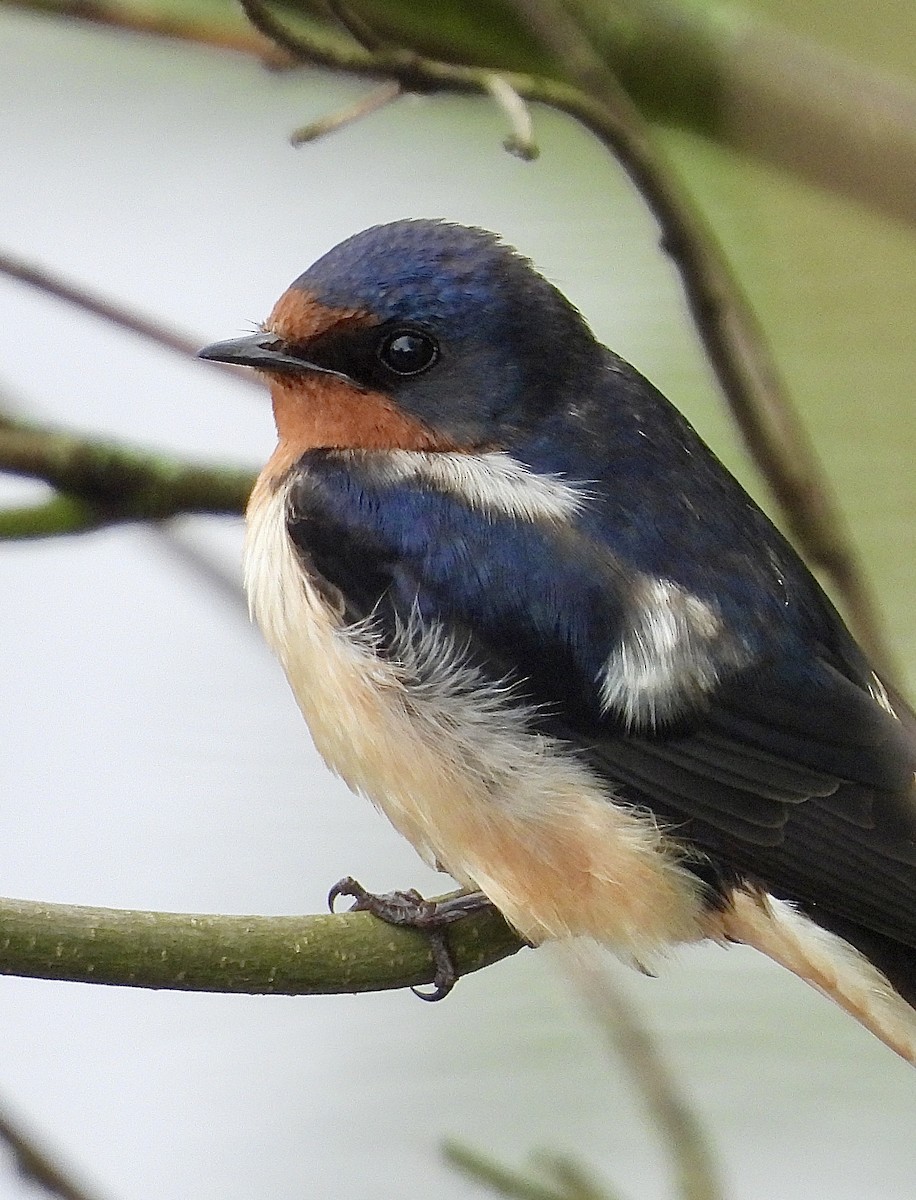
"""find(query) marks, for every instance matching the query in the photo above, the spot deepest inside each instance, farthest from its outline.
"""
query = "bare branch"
(109, 310)
(369, 104)
(681, 1134)
(520, 141)
(36, 1165)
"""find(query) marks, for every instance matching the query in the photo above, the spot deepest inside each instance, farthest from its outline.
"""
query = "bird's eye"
(408, 352)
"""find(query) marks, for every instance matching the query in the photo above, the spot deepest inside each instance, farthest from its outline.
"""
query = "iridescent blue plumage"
(446, 272)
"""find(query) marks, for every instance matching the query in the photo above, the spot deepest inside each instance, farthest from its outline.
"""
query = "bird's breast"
(454, 762)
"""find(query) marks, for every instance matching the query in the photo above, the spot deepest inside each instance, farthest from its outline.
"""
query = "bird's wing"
(812, 798)
(793, 775)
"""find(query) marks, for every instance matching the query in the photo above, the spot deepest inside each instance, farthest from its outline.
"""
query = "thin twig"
(109, 310)
(371, 103)
(681, 1134)
(520, 141)
(358, 28)
(35, 1164)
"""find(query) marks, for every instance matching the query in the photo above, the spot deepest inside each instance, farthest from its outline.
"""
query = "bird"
(527, 612)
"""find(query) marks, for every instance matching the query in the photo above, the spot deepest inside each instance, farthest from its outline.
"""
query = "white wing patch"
(878, 693)
(491, 483)
(669, 659)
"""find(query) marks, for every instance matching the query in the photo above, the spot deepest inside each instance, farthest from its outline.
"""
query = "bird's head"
(418, 335)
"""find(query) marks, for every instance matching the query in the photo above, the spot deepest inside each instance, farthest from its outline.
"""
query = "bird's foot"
(431, 917)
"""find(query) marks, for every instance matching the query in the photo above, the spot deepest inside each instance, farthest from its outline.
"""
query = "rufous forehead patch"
(299, 317)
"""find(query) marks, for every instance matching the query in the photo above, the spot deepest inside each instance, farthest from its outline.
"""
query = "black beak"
(265, 352)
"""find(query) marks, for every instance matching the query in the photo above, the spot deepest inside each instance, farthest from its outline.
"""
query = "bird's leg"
(431, 917)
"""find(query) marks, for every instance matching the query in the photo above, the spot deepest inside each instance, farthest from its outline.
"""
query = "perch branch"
(281, 955)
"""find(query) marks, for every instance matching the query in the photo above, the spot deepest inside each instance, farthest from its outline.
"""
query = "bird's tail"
(829, 962)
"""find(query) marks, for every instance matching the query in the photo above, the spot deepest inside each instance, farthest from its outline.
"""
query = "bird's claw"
(395, 908)
(409, 908)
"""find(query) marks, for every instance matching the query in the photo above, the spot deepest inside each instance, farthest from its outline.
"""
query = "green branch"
(567, 1179)
(288, 956)
(57, 516)
(100, 483)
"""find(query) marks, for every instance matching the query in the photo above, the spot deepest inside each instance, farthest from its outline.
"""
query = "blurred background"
(152, 756)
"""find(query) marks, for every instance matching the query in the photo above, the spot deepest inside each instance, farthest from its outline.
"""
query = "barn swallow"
(527, 612)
